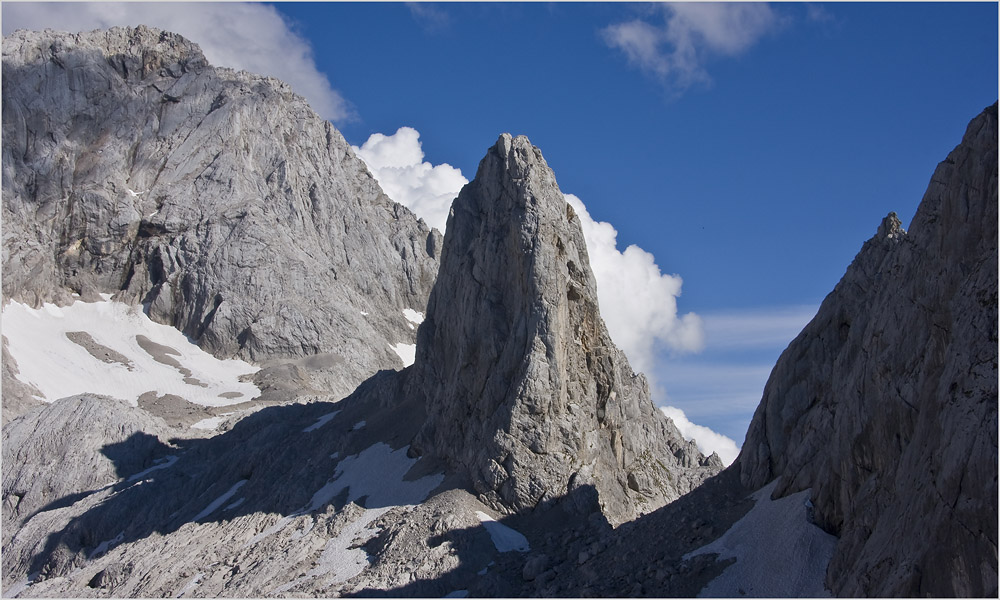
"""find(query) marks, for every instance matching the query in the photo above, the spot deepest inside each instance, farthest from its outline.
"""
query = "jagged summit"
(524, 388)
(890, 227)
(137, 52)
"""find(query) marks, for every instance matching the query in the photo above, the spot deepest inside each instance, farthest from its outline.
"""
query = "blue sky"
(750, 148)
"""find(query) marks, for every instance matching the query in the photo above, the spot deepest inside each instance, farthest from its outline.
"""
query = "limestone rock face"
(886, 403)
(217, 198)
(523, 387)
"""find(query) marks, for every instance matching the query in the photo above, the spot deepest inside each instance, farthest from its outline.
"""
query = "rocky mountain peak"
(524, 388)
(891, 227)
(217, 199)
(134, 52)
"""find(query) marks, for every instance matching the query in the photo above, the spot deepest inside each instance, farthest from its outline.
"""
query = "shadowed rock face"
(524, 388)
(886, 403)
(218, 198)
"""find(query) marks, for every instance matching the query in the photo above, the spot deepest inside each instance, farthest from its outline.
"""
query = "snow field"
(211, 508)
(59, 367)
(163, 463)
(414, 317)
(406, 352)
(504, 538)
(778, 552)
(210, 423)
(107, 545)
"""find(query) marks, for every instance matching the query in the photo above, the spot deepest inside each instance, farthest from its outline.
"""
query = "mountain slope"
(337, 489)
(885, 406)
(216, 198)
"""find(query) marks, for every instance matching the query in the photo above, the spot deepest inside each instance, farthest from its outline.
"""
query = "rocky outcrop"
(217, 198)
(886, 404)
(523, 387)
(60, 453)
(18, 397)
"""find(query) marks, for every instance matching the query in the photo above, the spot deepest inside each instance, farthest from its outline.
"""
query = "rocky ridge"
(216, 198)
(885, 406)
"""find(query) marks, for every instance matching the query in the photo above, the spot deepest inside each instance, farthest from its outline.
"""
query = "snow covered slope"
(114, 349)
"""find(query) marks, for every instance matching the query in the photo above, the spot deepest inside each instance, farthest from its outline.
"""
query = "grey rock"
(61, 453)
(109, 577)
(524, 389)
(535, 566)
(18, 397)
(216, 198)
(886, 404)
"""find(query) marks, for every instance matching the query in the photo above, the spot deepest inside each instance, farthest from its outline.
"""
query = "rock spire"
(523, 386)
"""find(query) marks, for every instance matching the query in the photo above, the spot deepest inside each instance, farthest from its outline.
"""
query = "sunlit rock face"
(216, 198)
(524, 388)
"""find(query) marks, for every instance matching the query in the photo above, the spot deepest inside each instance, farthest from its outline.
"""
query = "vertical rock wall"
(886, 403)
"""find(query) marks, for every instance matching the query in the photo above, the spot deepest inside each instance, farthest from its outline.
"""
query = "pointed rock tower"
(524, 389)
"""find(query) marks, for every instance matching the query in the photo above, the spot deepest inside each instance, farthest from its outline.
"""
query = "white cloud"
(675, 50)
(249, 36)
(431, 18)
(772, 327)
(722, 386)
(707, 440)
(638, 302)
(397, 161)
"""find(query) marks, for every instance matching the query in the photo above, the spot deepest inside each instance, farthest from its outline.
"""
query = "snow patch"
(211, 508)
(190, 585)
(388, 489)
(359, 425)
(104, 546)
(321, 421)
(796, 557)
(161, 463)
(413, 316)
(406, 352)
(19, 586)
(59, 367)
(209, 423)
(458, 594)
(504, 538)
(341, 558)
